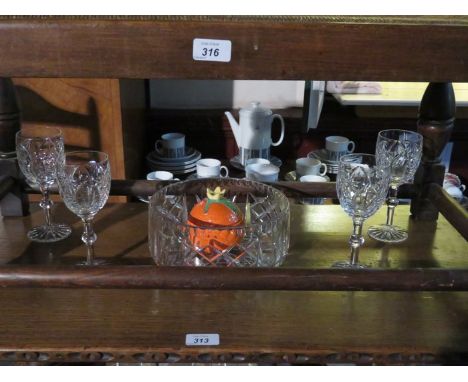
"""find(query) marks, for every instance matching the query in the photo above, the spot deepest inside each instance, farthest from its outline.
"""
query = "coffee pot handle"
(226, 172)
(282, 129)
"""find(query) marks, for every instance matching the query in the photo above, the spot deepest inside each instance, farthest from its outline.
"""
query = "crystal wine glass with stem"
(40, 151)
(84, 183)
(361, 185)
(401, 150)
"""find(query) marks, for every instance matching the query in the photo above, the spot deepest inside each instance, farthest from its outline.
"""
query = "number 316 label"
(211, 50)
(201, 339)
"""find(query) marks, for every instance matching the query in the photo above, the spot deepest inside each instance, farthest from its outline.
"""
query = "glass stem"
(89, 238)
(392, 202)
(356, 240)
(46, 204)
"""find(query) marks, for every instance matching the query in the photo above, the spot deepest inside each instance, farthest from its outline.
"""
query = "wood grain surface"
(287, 48)
(206, 278)
(267, 326)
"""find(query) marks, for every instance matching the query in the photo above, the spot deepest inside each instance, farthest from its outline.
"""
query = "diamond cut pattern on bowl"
(263, 242)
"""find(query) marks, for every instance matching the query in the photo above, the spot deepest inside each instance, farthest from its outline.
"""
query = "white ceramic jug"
(253, 132)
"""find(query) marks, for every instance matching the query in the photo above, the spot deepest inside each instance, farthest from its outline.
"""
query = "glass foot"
(94, 262)
(387, 233)
(49, 233)
(347, 264)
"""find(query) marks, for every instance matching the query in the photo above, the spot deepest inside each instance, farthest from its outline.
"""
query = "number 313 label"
(201, 339)
(211, 50)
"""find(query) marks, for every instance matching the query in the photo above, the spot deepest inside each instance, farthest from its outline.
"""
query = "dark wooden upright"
(9, 118)
(14, 202)
(435, 123)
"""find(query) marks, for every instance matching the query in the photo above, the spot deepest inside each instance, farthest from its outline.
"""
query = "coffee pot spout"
(234, 126)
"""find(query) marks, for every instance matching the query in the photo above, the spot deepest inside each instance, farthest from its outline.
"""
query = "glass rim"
(23, 129)
(373, 156)
(75, 152)
(409, 132)
(242, 226)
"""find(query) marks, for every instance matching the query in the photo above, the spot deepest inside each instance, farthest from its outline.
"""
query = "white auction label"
(201, 339)
(211, 50)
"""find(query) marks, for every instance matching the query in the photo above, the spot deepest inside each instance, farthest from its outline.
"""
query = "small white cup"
(262, 172)
(452, 180)
(455, 192)
(160, 175)
(313, 178)
(256, 161)
(448, 184)
(310, 166)
(211, 168)
(338, 146)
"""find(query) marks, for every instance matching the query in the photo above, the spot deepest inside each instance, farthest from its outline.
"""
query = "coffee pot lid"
(255, 107)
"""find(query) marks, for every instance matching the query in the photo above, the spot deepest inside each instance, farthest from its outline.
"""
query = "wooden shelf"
(263, 326)
(287, 48)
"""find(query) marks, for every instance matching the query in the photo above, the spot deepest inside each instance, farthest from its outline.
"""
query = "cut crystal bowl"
(261, 240)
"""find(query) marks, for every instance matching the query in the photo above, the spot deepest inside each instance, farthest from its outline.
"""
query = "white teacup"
(313, 178)
(211, 168)
(338, 146)
(262, 172)
(455, 192)
(310, 166)
(460, 186)
(316, 179)
(160, 175)
(452, 180)
(453, 185)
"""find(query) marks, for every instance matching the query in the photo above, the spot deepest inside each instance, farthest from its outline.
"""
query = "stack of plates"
(178, 166)
(291, 176)
(322, 156)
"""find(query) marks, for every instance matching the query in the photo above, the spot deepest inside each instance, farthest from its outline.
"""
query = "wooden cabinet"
(410, 308)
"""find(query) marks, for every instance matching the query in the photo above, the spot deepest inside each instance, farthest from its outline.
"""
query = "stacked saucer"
(236, 162)
(292, 176)
(177, 166)
(322, 156)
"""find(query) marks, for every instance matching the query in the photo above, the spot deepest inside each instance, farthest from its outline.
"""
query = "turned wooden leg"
(421, 206)
(14, 202)
(435, 123)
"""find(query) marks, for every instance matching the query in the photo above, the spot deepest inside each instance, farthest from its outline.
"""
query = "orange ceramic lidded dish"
(218, 213)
